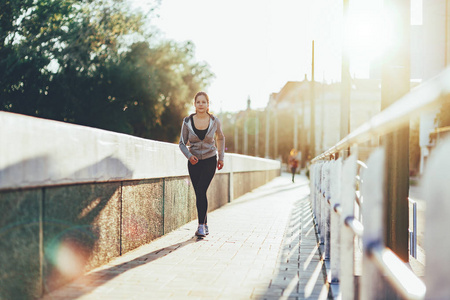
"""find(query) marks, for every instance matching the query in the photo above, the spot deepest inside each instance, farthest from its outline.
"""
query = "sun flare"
(367, 38)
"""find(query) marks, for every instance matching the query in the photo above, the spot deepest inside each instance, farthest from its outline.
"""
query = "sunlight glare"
(313, 279)
(310, 257)
(290, 288)
(366, 35)
(403, 274)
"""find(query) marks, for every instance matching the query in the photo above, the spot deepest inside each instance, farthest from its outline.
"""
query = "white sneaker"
(206, 229)
(200, 230)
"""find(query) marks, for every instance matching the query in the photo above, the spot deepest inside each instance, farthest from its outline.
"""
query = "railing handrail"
(440, 130)
(423, 97)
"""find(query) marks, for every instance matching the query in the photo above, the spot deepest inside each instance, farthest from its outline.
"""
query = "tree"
(155, 85)
(72, 35)
(70, 61)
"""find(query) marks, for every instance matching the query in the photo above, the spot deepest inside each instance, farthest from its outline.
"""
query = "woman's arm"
(184, 138)
(220, 137)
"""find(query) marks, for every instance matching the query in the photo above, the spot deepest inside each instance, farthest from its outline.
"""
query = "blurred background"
(133, 67)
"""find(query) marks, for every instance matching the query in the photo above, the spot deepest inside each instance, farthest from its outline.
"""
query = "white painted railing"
(413, 231)
(347, 199)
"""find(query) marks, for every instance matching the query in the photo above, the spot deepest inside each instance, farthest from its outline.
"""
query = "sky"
(254, 47)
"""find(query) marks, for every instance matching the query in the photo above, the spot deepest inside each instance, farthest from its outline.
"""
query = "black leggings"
(201, 175)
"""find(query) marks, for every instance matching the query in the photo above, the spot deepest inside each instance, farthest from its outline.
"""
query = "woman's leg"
(201, 175)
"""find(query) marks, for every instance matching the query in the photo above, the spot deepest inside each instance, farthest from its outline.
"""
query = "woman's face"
(201, 104)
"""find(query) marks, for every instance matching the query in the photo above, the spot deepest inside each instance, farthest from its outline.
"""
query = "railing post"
(315, 177)
(395, 83)
(312, 186)
(326, 211)
(415, 230)
(318, 200)
(323, 207)
(372, 190)
(347, 263)
(316, 186)
(335, 224)
(312, 140)
(436, 193)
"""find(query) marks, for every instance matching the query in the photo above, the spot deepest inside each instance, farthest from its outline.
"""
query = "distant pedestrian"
(293, 162)
(199, 146)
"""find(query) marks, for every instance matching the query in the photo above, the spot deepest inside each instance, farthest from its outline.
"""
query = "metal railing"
(413, 231)
(347, 197)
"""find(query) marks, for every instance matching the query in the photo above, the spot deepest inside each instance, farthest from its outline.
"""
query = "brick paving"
(261, 246)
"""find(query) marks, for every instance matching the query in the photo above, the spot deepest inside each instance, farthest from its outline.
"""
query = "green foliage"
(69, 60)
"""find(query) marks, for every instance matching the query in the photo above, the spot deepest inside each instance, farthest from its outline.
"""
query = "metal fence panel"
(372, 191)
(347, 237)
(335, 220)
(437, 244)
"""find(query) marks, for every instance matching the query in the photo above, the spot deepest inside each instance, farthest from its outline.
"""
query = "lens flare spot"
(70, 260)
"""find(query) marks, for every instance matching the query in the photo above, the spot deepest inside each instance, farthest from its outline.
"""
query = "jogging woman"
(198, 131)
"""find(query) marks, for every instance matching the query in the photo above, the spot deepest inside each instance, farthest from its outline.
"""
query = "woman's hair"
(206, 96)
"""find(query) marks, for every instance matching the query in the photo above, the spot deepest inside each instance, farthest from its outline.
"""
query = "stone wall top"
(39, 152)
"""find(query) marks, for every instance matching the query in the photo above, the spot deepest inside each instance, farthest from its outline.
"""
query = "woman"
(198, 131)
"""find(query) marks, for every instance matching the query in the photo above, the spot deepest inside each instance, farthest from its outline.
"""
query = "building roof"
(292, 91)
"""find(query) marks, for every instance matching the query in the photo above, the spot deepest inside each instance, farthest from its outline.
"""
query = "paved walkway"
(261, 246)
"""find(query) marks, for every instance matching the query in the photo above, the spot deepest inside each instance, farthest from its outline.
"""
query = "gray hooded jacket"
(205, 148)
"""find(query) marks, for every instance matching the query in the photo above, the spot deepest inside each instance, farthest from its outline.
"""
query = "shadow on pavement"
(301, 273)
(93, 280)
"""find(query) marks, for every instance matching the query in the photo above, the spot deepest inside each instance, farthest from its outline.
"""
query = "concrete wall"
(72, 198)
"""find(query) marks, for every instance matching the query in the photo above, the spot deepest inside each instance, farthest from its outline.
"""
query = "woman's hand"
(219, 164)
(193, 160)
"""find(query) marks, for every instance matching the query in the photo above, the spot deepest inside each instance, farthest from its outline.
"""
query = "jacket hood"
(188, 122)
